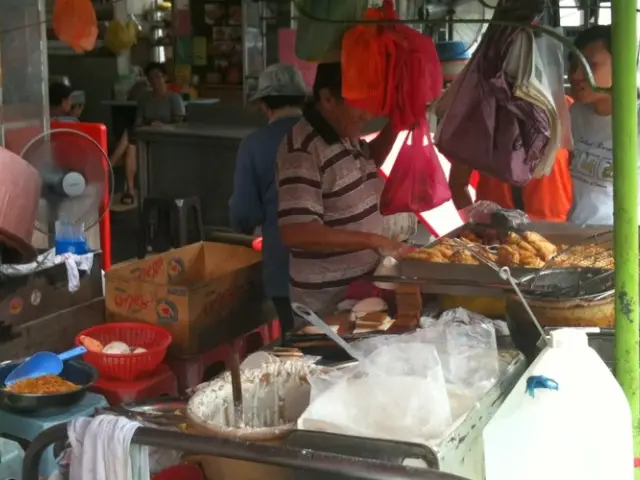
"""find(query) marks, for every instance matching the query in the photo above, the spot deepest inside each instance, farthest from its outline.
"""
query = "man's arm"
(459, 178)
(380, 147)
(301, 209)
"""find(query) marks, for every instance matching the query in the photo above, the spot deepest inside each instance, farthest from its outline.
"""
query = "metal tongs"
(505, 274)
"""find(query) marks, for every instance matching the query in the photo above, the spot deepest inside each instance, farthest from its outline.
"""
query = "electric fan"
(455, 10)
(76, 178)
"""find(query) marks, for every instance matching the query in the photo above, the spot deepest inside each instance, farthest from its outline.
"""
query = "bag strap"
(517, 198)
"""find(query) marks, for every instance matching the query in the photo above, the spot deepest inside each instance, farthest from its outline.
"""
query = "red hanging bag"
(416, 183)
(419, 78)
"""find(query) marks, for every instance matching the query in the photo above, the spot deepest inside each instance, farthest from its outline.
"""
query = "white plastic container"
(580, 430)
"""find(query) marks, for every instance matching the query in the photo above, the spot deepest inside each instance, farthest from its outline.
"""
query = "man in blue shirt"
(254, 202)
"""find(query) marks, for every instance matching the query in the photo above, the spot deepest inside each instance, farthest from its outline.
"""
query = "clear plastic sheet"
(397, 392)
(490, 213)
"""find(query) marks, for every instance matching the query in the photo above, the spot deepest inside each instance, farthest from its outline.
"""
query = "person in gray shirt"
(158, 107)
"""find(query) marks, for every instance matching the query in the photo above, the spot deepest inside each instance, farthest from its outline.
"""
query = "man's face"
(599, 60)
(348, 121)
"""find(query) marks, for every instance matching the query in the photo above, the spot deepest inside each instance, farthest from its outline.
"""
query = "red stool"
(162, 382)
(192, 371)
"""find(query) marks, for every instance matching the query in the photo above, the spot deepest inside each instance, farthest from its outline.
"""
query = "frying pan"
(75, 371)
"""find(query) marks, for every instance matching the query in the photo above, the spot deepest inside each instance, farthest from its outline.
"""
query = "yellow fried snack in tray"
(544, 248)
(527, 249)
(508, 256)
(464, 257)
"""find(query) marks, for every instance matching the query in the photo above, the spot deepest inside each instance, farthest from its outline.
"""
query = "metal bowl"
(557, 300)
(77, 372)
(568, 284)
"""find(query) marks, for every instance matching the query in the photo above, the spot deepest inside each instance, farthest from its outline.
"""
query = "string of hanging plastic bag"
(390, 69)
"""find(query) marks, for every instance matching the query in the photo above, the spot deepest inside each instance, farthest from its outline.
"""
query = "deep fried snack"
(545, 249)
(444, 251)
(44, 385)
(464, 257)
(529, 260)
(490, 237)
(470, 236)
(508, 256)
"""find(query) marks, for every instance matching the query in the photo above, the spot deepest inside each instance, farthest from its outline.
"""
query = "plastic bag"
(397, 393)
(75, 23)
(551, 53)
(120, 37)
(369, 62)
(321, 41)
(469, 353)
(485, 127)
(416, 182)
(489, 213)
(418, 78)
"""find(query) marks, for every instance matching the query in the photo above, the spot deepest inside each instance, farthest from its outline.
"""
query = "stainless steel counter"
(191, 160)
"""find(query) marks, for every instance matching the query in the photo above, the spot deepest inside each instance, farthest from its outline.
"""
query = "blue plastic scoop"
(43, 363)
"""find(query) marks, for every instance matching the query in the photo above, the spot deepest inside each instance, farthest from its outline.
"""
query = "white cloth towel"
(102, 450)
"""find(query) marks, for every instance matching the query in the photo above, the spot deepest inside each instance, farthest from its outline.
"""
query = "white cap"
(571, 337)
(280, 80)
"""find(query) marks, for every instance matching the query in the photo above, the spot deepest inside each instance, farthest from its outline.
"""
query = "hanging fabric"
(320, 41)
(75, 23)
(417, 182)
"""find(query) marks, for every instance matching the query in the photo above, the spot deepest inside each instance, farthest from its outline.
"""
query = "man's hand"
(388, 247)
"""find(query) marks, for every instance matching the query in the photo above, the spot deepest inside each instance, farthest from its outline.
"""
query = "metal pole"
(625, 179)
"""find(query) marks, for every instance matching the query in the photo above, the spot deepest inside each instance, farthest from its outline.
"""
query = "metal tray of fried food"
(432, 276)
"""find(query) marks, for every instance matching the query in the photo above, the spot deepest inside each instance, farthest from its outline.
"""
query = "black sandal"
(127, 199)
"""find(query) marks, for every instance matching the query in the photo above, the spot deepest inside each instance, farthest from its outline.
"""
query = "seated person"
(159, 107)
(60, 103)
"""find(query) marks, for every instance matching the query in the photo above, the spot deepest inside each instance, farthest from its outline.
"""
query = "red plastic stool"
(162, 382)
(192, 371)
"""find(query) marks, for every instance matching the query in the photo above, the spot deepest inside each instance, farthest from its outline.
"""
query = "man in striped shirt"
(328, 193)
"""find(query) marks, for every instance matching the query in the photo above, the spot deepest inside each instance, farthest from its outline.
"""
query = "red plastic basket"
(154, 339)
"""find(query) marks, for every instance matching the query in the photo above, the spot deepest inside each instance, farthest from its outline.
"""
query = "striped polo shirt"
(323, 178)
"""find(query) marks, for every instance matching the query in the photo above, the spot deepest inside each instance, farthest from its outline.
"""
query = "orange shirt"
(546, 198)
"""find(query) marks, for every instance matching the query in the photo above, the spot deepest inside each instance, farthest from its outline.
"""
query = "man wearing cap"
(329, 189)
(254, 202)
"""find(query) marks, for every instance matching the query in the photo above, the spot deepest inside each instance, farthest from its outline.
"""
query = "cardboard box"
(205, 294)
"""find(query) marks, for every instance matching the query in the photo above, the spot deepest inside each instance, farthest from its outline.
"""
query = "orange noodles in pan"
(44, 385)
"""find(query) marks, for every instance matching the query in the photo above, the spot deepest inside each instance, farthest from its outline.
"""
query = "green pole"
(625, 180)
